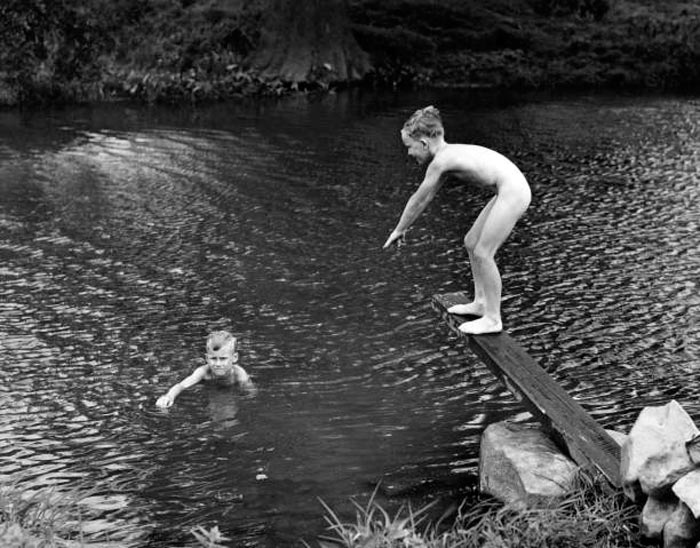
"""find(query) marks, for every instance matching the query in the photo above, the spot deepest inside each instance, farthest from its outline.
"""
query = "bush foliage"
(596, 9)
(193, 50)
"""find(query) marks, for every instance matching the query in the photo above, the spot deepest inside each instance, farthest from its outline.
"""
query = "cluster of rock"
(660, 468)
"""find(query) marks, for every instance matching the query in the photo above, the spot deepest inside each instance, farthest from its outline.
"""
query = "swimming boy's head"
(221, 352)
(421, 130)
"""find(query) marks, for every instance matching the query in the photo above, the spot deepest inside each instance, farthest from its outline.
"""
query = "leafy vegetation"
(41, 519)
(591, 515)
(47, 518)
(584, 8)
(195, 50)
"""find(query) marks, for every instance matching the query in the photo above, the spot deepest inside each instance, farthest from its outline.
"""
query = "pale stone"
(681, 530)
(654, 454)
(618, 437)
(655, 514)
(687, 489)
(693, 447)
(522, 466)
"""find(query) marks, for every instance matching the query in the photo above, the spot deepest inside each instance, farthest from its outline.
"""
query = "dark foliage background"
(192, 50)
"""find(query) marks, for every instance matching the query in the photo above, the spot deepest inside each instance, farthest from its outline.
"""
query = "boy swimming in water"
(221, 366)
(423, 136)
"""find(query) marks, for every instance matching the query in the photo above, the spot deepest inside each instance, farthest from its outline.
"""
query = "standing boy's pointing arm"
(418, 201)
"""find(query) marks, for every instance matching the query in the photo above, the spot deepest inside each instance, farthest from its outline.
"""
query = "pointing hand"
(398, 237)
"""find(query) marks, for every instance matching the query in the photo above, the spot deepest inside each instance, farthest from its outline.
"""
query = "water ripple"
(124, 239)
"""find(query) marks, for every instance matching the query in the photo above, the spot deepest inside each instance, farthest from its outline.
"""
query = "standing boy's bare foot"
(471, 309)
(481, 326)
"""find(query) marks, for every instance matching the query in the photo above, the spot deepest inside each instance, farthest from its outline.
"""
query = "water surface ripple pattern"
(126, 234)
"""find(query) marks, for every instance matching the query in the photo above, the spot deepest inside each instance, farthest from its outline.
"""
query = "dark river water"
(128, 233)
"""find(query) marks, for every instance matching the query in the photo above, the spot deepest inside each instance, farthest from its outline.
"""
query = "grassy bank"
(590, 515)
(196, 50)
(48, 518)
(629, 44)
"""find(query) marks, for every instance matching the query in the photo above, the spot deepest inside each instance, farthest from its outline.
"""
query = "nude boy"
(423, 136)
(221, 367)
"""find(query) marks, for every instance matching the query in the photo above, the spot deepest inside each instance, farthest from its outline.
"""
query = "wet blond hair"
(220, 339)
(425, 122)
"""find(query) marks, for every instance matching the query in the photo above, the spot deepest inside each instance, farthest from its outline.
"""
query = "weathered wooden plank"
(586, 441)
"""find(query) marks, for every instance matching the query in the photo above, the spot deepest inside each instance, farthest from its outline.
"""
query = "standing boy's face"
(416, 148)
(221, 361)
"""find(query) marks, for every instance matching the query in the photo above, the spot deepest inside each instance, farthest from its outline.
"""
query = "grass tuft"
(374, 527)
(591, 515)
(43, 518)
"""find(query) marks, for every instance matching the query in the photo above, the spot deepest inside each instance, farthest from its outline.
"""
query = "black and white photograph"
(349, 273)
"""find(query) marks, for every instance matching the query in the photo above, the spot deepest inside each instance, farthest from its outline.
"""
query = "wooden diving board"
(586, 441)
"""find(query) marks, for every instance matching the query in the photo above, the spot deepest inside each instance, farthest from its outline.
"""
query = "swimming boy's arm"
(418, 201)
(168, 399)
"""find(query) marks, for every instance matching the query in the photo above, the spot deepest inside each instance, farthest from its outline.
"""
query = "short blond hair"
(220, 339)
(425, 122)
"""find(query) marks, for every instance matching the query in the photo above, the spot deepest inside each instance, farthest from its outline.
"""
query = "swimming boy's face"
(417, 148)
(221, 361)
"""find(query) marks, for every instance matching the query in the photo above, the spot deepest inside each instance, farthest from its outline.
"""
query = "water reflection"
(128, 234)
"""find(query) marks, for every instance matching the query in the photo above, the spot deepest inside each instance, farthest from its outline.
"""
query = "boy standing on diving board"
(423, 136)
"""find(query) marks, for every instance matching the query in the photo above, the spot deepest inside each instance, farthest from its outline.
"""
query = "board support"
(573, 429)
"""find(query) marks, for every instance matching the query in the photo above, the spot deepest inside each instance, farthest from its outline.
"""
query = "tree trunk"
(309, 41)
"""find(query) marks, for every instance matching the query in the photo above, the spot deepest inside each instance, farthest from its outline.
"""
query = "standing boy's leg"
(476, 307)
(499, 223)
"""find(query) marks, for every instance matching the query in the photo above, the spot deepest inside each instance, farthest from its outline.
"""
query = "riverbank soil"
(194, 50)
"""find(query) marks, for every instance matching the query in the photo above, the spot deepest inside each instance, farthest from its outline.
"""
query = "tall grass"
(591, 515)
(38, 519)
(374, 527)
(47, 518)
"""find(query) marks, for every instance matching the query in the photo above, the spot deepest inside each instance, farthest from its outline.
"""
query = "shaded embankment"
(186, 51)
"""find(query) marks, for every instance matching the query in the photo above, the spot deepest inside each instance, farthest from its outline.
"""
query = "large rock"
(618, 437)
(655, 514)
(522, 466)
(681, 530)
(654, 455)
(687, 489)
(693, 447)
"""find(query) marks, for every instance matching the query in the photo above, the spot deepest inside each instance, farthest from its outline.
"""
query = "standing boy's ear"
(424, 142)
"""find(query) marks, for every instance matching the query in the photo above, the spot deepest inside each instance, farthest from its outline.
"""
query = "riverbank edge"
(590, 512)
(147, 88)
(636, 47)
(174, 88)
